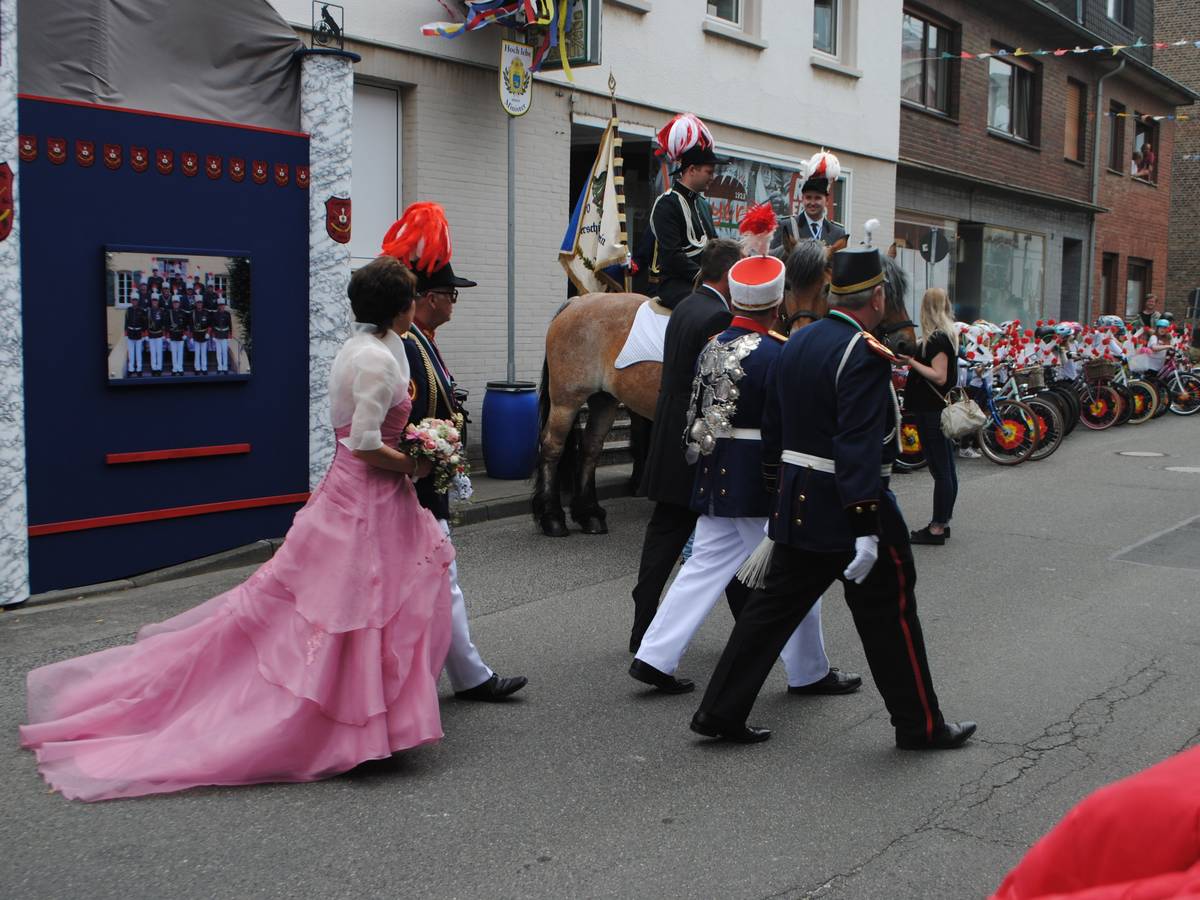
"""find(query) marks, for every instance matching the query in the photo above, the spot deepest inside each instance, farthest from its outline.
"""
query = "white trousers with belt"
(721, 546)
(464, 665)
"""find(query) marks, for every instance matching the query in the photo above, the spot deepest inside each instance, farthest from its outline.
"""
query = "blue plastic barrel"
(510, 429)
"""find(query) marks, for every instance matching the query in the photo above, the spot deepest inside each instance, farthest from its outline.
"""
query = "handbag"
(962, 415)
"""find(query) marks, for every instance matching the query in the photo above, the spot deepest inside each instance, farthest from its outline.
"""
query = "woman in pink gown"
(325, 657)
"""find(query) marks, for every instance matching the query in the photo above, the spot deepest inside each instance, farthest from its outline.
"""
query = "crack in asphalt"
(1086, 721)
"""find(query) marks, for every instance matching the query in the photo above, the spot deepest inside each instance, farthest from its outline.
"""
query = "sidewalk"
(492, 499)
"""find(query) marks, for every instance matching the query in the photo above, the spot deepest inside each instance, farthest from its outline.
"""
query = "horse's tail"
(570, 454)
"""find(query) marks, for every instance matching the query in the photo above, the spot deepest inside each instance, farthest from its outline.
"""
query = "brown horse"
(583, 342)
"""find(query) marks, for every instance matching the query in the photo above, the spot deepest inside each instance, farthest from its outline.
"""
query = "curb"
(260, 551)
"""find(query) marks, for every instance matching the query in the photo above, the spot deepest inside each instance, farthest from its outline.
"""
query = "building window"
(221, 283)
(1121, 11)
(825, 26)
(122, 284)
(726, 10)
(1137, 283)
(1013, 268)
(1075, 134)
(924, 74)
(1145, 149)
(1012, 98)
(377, 131)
(1116, 137)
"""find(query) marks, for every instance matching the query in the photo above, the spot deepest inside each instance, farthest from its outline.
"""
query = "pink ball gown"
(326, 657)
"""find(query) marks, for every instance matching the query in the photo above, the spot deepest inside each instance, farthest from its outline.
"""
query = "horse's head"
(896, 330)
(809, 271)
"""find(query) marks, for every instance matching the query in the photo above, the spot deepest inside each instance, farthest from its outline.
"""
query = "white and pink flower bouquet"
(440, 442)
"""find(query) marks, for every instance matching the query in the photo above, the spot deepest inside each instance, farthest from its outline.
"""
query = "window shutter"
(1071, 136)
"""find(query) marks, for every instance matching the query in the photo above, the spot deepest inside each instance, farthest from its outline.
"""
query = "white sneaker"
(969, 453)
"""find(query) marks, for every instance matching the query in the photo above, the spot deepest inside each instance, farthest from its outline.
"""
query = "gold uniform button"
(874, 507)
(858, 509)
(802, 498)
(722, 471)
(776, 515)
(798, 522)
(722, 492)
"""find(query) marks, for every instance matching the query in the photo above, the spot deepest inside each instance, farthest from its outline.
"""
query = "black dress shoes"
(703, 723)
(494, 689)
(668, 684)
(949, 736)
(925, 536)
(836, 682)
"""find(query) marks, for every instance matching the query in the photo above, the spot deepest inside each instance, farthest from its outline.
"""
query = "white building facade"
(775, 81)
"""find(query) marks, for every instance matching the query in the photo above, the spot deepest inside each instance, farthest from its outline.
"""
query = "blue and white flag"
(595, 238)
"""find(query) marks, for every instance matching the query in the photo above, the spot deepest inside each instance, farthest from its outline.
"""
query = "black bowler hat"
(856, 270)
(441, 278)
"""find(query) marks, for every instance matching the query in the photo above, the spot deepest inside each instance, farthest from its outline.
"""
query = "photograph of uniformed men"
(177, 316)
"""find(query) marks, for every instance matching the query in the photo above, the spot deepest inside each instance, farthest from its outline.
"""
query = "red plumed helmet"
(757, 227)
(681, 134)
(420, 238)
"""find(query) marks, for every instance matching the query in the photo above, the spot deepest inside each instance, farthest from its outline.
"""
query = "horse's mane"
(895, 282)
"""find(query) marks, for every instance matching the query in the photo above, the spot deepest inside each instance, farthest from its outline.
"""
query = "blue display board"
(177, 184)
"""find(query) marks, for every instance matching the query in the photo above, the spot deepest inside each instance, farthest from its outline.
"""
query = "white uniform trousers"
(222, 354)
(156, 353)
(721, 546)
(135, 353)
(176, 356)
(201, 362)
(463, 663)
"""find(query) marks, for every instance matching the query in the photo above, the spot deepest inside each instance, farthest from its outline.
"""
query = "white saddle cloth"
(646, 337)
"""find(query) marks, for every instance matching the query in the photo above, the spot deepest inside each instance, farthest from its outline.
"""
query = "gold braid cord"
(430, 377)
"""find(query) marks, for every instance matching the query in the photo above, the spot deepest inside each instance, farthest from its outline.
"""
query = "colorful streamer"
(546, 18)
(1111, 49)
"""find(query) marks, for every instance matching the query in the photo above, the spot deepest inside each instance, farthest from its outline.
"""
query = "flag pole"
(512, 249)
(619, 177)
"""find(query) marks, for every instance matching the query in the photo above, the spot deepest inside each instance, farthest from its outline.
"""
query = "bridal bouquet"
(440, 441)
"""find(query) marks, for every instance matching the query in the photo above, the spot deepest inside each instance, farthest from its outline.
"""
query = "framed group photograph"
(176, 316)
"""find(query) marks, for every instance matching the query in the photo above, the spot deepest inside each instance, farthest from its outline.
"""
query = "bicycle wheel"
(1144, 401)
(1067, 391)
(912, 454)
(1185, 394)
(1164, 398)
(1011, 435)
(1056, 400)
(1100, 406)
(1126, 403)
(1049, 425)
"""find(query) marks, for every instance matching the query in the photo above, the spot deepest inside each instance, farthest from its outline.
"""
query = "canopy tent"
(226, 60)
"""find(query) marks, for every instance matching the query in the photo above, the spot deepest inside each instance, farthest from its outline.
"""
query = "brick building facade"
(1177, 20)
(1001, 155)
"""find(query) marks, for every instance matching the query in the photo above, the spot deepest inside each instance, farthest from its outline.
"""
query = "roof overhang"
(953, 176)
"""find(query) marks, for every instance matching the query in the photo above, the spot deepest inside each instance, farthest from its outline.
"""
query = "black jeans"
(939, 451)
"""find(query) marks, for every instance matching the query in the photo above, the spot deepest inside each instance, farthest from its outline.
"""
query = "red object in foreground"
(1137, 839)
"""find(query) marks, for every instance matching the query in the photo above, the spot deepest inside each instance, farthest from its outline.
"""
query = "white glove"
(866, 551)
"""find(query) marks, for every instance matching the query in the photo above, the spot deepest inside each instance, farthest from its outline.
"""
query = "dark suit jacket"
(432, 396)
(831, 232)
(698, 317)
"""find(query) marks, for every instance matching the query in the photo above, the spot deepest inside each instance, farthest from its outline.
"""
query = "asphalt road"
(1080, 667)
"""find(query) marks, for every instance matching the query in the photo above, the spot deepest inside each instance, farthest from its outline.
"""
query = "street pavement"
(1080, 667)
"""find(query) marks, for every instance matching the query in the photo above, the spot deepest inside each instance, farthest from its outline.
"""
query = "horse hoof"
(594, 525)
(552, 527)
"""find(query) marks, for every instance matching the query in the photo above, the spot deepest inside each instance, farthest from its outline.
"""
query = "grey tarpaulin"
(229, 60)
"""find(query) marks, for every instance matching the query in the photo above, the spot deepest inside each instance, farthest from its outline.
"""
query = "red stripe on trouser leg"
(908, 642)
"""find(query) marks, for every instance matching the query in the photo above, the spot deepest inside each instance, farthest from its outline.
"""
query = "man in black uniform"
(680, 219)
(156, 323)
(668, 480)
(432, 390)
(135, 333)
(222, 329)
(199, 333)
(812, 222)
(178, 321)
(828, 434)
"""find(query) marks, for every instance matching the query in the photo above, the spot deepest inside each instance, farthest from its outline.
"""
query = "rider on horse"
(680, 218)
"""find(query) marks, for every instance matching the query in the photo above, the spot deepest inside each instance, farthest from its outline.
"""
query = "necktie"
(815, 228)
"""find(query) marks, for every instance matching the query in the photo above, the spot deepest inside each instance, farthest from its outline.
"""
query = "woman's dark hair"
(717, 258)
(380, 291)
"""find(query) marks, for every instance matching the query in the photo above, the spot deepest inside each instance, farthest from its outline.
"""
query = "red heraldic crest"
(56, 149)
(85, 153)
(164, 161)
(282, 173)
(258, 172)
(28, 148)
(302, 176)
(212, 166)
(189, 162)
(237, 169)
(139, 159)
(6, 201)
(112, 156)
(337, 219)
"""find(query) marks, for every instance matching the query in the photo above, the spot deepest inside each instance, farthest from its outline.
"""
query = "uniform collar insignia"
(879, 347)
